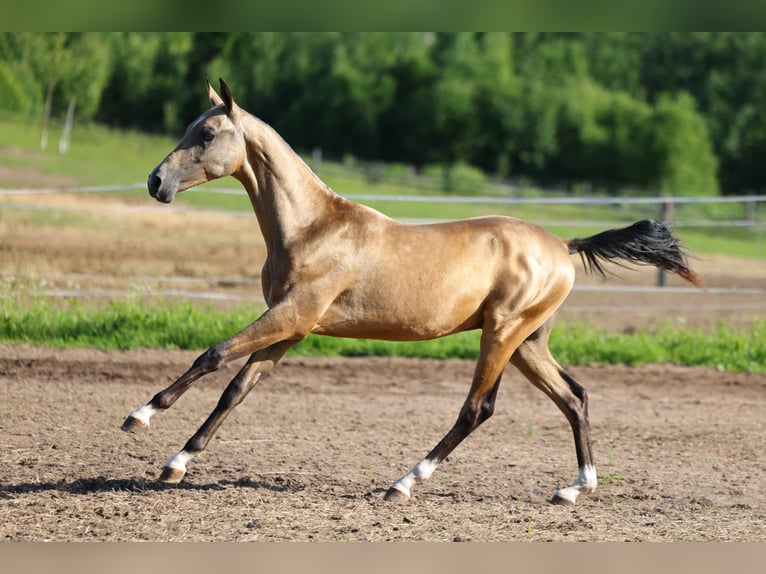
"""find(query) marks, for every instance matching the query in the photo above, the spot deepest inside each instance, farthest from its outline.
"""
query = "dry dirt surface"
(310, 453)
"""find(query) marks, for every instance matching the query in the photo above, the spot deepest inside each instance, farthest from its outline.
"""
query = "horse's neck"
(287, 197)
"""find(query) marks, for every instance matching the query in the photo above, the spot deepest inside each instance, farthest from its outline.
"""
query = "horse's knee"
(212, 359)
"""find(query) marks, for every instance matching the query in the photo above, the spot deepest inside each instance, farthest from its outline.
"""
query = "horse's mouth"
(166, 198)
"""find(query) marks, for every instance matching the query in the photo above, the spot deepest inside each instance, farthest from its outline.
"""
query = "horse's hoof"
(395, 495)
(562, 500)
(172, 475)
(132, 424)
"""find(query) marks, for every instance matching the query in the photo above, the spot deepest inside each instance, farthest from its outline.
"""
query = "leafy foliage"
(681, 113)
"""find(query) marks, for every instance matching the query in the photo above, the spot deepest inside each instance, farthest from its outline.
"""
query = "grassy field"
(131, 324)
(97, 155)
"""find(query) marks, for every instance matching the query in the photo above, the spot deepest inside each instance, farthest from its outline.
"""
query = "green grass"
(131, 323)
(739, 242)
(723, 348)
(119, 325)
(97, 156)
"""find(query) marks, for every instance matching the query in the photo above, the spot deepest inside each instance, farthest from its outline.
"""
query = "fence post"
(666, 210)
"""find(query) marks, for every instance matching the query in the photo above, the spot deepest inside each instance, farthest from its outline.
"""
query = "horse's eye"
(207, 137)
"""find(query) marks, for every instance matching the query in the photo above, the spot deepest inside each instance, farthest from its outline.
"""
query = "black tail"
(646, 242)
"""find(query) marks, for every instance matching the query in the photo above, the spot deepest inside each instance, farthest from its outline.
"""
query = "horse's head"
(212, 147)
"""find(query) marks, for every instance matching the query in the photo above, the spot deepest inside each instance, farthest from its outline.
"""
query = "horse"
(339, 268)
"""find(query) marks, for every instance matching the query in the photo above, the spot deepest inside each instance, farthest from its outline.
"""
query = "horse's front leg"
(274, 326)
(266, 339)
(258, 364)
(140, 418)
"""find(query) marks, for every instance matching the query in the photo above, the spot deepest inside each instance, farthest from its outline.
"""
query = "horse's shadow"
(101, 484)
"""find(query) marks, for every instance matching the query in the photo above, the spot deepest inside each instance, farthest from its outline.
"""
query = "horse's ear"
(215, 99)
(228, 100)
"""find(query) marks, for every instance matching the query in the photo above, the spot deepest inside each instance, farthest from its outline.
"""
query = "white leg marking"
(420, 472)
(178, 461)
(586, 483)
(144, 413)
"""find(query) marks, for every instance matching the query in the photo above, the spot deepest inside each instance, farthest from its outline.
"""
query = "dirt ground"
(310, 453)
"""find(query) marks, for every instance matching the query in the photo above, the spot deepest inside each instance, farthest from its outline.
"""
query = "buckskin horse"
(337, 268)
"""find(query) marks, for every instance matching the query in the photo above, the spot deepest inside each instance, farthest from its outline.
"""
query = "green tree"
(84, 73)
(454, 97)
(127, 98)
(146, 83)
(724, 74)
(548, 106)
(20, 90)
(684, 159)
(603, 136)
(547, 66)
(498, 101)
(406, 125)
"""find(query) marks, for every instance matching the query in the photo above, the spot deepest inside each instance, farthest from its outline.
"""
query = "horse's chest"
(273, 283)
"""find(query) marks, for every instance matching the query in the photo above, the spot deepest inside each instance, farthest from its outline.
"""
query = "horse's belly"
(399, 319)
(391, 332)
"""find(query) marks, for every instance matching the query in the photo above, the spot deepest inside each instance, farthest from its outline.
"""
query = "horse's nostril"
(154, 183)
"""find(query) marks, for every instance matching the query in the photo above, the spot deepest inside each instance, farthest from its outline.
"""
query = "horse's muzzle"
(154, 184)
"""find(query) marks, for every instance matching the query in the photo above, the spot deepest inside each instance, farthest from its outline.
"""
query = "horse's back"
(506, 247)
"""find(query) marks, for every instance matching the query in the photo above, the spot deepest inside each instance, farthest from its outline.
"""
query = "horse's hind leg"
(258, 364)
(478, 407)
(534, 360)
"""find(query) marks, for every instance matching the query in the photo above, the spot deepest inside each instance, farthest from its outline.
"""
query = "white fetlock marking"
(144, 413)
(586, 482)
(589, 477)
(420, 472)
(179, 461)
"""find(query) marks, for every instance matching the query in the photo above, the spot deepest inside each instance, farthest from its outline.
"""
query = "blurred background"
(678, 113)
